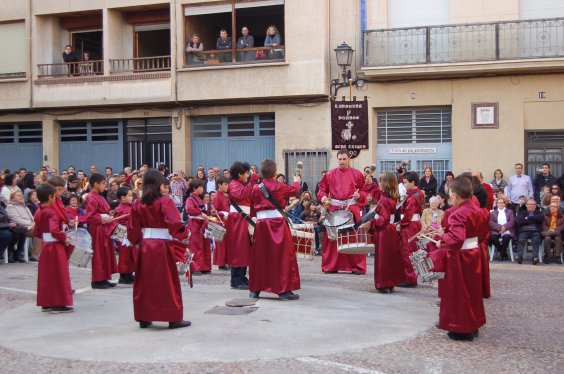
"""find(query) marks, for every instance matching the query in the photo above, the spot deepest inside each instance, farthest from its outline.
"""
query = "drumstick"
(216, 212)
(120, 217)
(350, 201)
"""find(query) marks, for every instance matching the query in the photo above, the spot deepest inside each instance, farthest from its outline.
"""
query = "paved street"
(339, 325)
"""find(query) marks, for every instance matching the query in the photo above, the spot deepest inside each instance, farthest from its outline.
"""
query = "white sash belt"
(272, 213)
(415, 217)
(342, 203)
(48, 238)
(245, 209)
(156, 233)
(126, 243)
(470, 243)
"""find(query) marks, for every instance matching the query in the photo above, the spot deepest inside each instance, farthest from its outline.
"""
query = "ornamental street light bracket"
(344, 54)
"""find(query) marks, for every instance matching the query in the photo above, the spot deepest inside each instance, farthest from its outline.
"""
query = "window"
(211, 46)
(98, 131)
(415, 126)
(314, 163)
(439, 167)
(15, 50)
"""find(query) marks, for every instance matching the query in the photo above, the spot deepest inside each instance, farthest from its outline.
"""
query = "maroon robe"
(104, 262)
(484, 239)
(199, 245)
(221, 205)
(388, 260)
(409, 229)
(126, 261)
(341, 185)
(156, 290)
(61, 213)
(462, 306)
(273, 265)
(237, 239)
(53, 277)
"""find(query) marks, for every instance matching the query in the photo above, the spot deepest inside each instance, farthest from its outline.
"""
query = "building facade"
(452, 84)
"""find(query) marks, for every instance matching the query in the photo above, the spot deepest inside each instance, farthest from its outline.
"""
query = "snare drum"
(336, 219)
(82, 242)
(424, 266)
(120, 233)
(351, 240)
(215, 231)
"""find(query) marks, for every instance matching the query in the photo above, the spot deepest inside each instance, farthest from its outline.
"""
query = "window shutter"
(14, 46)
(535, 9)
(409, 13)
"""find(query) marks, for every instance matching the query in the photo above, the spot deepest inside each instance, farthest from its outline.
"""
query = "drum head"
(216, 226)
(338, 218)
(81, 239)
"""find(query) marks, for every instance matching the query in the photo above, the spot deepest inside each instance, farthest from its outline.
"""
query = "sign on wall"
(485, 116)
(349, 126)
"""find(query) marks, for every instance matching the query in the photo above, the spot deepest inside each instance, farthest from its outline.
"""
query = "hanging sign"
(349, 126)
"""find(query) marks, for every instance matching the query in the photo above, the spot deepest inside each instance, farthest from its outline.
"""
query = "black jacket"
(526, 218)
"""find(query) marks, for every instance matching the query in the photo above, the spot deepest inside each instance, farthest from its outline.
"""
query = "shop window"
(207, 21)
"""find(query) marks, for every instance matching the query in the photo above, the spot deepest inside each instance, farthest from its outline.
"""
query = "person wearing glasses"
(552, 228)
(529, 223)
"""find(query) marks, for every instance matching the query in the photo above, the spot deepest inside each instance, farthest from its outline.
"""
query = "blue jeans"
(5, 240)
(535, 237)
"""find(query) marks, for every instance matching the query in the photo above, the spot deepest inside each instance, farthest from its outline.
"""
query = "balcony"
(236, 56)
(71, 69)
(139, 65)
(463, 49)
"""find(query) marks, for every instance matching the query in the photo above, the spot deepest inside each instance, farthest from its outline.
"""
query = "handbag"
(260, 55)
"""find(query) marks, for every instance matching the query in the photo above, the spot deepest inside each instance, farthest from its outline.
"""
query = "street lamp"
(344, 54)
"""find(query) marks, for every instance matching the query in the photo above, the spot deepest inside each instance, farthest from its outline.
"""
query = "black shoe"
(330, 272)
(111, 284)
(197, 273)
(45, 309)
(357, 272)
(535, 260)
(459, 336)
(145, 324)
(546, 260)
(206, 271)
(124, 279)
(476, 333)
(407, 285)
(286, 296)
(131, 277)
(383, 290)
(519, 260)
(73, 291)
(34, 259)
(100, 285)
(437, 325)
(254, 295)
(178, 325)
(391, 289)
(224, 267)
(242, 286)
(21, 260)
(61, 309)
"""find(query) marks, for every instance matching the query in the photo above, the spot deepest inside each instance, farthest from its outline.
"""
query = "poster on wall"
(349, 126)
(485, 116)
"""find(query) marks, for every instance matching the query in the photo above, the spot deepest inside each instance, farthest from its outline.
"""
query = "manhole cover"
(247, 301)
(228, 311)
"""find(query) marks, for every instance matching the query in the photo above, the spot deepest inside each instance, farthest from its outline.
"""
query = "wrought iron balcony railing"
(139, 65)
(510, 40)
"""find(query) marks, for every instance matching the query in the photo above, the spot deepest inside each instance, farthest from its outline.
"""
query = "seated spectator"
(281, 178)
(194, 47)
(502, 226)
(32, 201)
(75, 211)
(552, 232)
(545, 196)
(273, 39)
(312, 214)
(443, 201)
(529, 223)
(6, 233)
(428, 184)
(556, 191)
(244, 42)
(73, 185)
(10, 186)
(521, 206)
(224, 42)
(432, 216)
(28, 183)
(294, 209)
(498, 183)
(445, 185)
(21, 215)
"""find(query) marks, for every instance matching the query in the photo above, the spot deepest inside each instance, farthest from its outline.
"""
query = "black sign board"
(349, 126)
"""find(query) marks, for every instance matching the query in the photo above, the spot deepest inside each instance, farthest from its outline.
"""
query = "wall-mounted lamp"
(344, 54)
(176, 120)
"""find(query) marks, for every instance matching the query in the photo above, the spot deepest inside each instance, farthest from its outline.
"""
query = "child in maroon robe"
(98, 218)
(410, 225)
(220, 209)
(197, 223)
(126, 262)
(54, 292)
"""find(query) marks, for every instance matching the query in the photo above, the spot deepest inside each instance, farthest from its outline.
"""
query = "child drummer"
(126, 262)
(220, 209)
(54, 292)
(197, 222)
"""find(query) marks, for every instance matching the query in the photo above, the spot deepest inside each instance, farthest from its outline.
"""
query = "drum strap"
(243, 214)
(273, 201)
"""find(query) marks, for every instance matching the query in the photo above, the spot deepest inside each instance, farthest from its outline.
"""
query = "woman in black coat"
(428, 184)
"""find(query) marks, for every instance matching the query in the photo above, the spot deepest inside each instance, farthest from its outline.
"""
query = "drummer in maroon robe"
(54, 293)
(126, 262)
(482, 200)
(197, 223)
(462, 307)
(59, 208)
(237, 238)
(388, 261)
(153, 224)
(220, 210)
(410, 225)
(342, 188)
(273, 265)
(98, 217)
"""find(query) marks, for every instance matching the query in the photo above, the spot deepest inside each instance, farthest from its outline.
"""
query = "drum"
(303, 235)
(82, 242)
(336, 219)
(120, 233)
(215, 231)
(351, 240)
(424, 267)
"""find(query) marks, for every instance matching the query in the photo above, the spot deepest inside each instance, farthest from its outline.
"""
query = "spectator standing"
(446, 183)
(529, 223)
(210, 184)
(70, 59)
(518, 185)
(194, 47)
(498, 183)
(543, 179)
(502, 226)
(178, 190)
(111, 196)
(428, 184)
(244, 42)
(552, 228)
(273, 39)
(32, 202)
(224, 42)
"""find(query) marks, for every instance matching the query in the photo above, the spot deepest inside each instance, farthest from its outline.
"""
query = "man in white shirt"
(518, 185)
(210, 182)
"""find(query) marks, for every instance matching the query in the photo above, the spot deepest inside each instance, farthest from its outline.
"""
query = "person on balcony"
(70, 59)
(223, 43)
(86, 67)
(273, 39)
(246, 41)
(194, 47)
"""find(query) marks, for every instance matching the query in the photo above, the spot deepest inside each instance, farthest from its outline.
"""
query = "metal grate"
(439, 167)
(314, 163)
(415, 126)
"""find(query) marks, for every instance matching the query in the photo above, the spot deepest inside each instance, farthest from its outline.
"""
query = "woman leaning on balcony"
(194, 47)
(273, 39)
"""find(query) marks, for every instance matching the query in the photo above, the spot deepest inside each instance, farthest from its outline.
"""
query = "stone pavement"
(339, 325)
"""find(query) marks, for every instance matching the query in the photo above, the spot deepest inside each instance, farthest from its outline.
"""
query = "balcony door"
(152, 40)
(88, 41)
